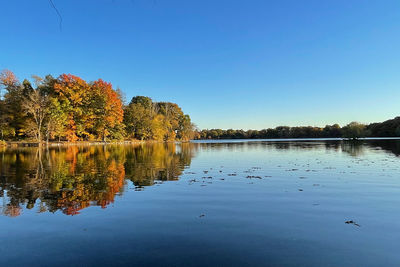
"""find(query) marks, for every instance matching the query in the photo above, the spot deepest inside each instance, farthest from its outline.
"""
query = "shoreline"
(291, 139)
(80, 143)
(129, 142)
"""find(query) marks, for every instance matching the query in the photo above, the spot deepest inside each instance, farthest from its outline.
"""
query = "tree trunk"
(39, 133)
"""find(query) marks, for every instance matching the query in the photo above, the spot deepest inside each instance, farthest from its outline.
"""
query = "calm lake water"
(242, 203)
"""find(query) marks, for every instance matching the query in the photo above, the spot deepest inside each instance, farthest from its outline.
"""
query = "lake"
(220, 203)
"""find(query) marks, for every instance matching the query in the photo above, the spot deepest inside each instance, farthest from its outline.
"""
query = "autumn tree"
(72, 92)
(36, 105)
(158, 129)
(14, 118)
(57, 121)
(186, 129)
(138, 118)
(56, 111)
(107, 109)
(173, 114)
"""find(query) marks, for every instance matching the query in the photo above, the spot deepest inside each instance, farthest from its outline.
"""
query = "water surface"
(242, 203)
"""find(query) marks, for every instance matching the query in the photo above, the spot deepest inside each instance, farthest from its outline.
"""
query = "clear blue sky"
(227, 63)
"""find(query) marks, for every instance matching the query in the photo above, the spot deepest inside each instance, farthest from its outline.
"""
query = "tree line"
(68, 108)
(353, 130)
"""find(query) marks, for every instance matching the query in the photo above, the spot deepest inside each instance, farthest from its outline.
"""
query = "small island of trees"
(70, 109)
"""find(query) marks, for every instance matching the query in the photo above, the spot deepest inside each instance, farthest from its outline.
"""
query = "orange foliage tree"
(108, 109)
(73, 91)
(94, 110)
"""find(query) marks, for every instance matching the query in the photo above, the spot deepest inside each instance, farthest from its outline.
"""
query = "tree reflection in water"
(72, 178)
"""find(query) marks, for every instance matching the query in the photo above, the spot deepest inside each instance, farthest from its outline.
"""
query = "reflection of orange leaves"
(12, 211)
(84, 194)
(76, 177)
(115, 181)
(71, 202)
(71, 154)
(72, 207)
(71, 210)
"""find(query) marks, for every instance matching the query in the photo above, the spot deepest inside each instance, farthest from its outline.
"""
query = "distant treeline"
(389, 128)
(68, 108)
